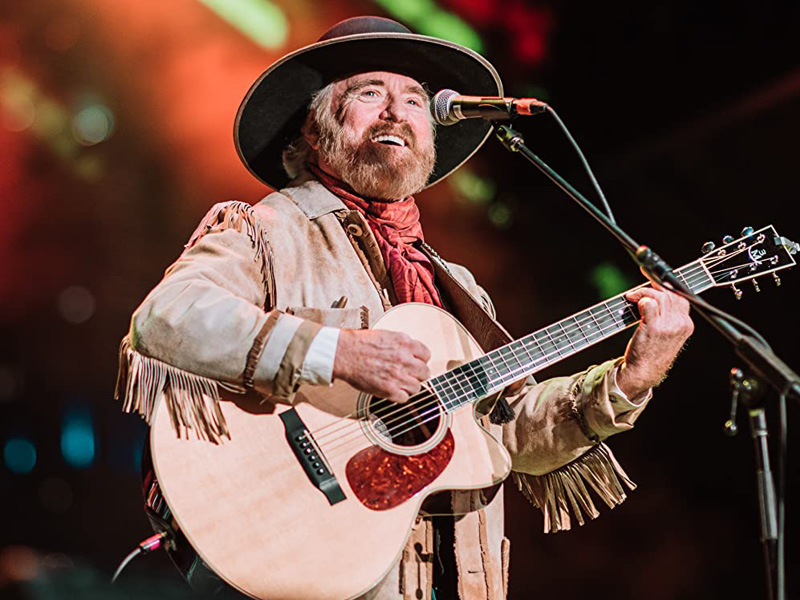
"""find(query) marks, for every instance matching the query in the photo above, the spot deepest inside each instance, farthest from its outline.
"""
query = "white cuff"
(618, 395)
(317, 367)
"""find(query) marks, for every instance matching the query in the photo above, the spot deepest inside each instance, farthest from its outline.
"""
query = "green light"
(608, 280)
(448, 26)
(472, 187)
(260, 20)
(424, 17)
(409, 11)
(500, 215)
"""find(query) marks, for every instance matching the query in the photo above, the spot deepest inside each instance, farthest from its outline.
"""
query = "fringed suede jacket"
(245, 301)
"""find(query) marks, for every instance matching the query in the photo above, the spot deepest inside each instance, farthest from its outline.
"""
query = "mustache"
(403, 130)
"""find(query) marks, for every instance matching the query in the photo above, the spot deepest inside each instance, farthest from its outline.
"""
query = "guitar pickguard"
(382, 480)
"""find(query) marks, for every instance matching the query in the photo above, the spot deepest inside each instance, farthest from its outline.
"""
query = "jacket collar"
(313, 198)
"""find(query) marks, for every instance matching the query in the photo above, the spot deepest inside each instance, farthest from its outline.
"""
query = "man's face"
(378, 135)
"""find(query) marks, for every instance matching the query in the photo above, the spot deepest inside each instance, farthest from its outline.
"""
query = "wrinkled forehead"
(395, 82)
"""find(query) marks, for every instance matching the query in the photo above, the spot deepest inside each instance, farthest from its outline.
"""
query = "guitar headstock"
(754, 254)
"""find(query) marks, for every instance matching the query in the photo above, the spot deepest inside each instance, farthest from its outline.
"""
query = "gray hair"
(297, 155)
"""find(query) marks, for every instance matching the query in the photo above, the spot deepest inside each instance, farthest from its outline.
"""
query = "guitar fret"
(553, 341)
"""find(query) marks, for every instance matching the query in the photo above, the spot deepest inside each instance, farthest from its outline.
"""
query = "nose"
(394, 109)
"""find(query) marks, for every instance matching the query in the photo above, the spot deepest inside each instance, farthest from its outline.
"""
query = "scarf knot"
(396, 228)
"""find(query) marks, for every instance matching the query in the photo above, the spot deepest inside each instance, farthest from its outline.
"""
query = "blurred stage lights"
(471, 187)
(262, 21)
(25, 107)
(92, 125)
(19, 455)
(426, 18)
(17, 96)
(76, 304)
(608, 280)
(77, 437)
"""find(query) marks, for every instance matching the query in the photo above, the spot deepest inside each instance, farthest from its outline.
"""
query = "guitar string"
(428, 393)
(436, 412)
(572, 328)
(698, 273)
(422, 400)
(423, 403)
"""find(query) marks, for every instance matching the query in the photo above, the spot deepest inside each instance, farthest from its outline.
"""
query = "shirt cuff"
(317, 367)
(620, 397)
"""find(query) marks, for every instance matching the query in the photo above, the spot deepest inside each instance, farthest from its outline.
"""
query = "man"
(277, 296)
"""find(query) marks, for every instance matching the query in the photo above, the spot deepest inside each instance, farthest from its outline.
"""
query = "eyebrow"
(412, 88)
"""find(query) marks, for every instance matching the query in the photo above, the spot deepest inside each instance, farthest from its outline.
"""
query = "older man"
(280, 296)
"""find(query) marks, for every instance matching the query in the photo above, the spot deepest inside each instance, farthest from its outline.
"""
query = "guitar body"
(255, 516)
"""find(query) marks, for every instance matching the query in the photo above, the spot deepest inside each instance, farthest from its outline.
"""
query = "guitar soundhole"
(410, 424)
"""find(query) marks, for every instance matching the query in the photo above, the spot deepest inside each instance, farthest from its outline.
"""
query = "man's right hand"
(386, 364)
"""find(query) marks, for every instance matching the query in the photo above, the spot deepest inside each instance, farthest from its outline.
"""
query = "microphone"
(449, 107)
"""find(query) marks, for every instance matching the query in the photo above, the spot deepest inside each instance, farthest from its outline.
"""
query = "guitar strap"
(476, 319)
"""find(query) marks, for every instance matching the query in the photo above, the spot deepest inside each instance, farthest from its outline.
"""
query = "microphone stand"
(759, 358)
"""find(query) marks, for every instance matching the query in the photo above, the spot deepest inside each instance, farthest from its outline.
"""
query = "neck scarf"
(396, 227)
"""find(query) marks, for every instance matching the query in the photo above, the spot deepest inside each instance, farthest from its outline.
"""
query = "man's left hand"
(665, 327)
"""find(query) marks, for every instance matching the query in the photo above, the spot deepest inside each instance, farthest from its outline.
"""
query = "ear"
(310, 131)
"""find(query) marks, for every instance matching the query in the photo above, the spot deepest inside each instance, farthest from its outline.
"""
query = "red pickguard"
(382, 480)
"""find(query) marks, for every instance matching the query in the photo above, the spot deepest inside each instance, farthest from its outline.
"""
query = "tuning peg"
(747, 232)
(727, 239)
(736, 291)
(708, 247)
(776, 278)
(755, 285)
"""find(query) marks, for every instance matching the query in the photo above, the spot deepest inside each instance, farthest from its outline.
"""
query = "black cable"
(584, 162)
(693, 299)
(154, 542)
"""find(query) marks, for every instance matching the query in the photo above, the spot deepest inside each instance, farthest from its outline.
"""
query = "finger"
(648, 308)
(418, 370)
(643, 292)
(398, 394)
(410, 386)
(420, 350)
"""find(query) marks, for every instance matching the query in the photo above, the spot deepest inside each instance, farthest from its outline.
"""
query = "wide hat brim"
(274, 110)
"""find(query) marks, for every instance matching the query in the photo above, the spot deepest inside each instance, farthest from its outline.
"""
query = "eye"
(370, 93)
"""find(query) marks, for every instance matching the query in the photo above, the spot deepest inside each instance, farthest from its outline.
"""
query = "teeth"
(392, 139)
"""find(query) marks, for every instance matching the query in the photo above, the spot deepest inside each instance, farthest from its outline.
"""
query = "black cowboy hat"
(274, 109)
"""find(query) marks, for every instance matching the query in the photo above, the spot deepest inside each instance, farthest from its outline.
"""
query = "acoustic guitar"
(317, 500)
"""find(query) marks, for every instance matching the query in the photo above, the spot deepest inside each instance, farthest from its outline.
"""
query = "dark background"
(687, 111)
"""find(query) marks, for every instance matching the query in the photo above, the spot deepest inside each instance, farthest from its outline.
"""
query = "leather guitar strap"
(487, 331)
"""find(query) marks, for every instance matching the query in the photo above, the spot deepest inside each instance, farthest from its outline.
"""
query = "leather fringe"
(502, 412)
(192, 401)
(242, 217)
(564, 490)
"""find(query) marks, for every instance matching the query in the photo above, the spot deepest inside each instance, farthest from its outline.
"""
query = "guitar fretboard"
(518, 359)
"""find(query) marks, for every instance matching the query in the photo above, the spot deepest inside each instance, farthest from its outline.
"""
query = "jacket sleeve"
(210, 325)
(556, 443)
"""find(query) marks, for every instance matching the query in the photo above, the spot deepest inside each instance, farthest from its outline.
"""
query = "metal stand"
(748, 391)
(758, 357)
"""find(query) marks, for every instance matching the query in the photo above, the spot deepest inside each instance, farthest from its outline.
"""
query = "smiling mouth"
(390, 140)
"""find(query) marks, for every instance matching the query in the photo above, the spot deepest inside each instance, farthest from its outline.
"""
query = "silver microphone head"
(440, 107)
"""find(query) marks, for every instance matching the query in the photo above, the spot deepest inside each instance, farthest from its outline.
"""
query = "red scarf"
(395, 226)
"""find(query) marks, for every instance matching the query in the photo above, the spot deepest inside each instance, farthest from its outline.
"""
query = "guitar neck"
(494, 371)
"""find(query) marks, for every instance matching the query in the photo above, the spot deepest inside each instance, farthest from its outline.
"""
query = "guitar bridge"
(310, 456)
